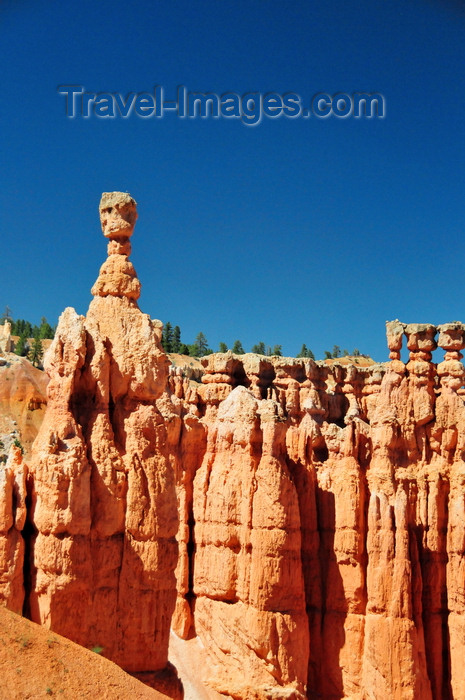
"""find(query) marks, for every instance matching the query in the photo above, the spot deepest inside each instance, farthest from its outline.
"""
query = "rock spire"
(104, 502)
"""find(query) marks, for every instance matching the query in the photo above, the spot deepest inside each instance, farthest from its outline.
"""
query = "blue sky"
(293, 231)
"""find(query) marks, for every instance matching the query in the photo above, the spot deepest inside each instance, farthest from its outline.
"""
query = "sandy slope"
(36, 663)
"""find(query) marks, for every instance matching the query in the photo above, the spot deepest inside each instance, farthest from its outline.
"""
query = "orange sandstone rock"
(248, 581)
(321, 506)
(12, 521)
(104, 500)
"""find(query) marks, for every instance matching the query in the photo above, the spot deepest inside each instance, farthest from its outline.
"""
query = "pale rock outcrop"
(5, 338)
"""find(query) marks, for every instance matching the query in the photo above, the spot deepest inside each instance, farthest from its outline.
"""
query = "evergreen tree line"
(337, 352)
(25, 330)
(171, 341)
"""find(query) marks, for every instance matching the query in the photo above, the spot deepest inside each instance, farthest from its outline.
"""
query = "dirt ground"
(36, 663)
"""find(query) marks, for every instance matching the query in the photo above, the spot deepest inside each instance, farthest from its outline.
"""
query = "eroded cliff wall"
(362, 469)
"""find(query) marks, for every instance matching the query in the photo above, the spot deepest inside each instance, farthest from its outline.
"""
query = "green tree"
(336, 351)
(306, 352)
(277, 350)
(200, 346)
(356, 352)
(345, 353)
(176, 343)
(167, 337)
(237, 348)
(21, 327)
(259, 348)
(222, 347)
(328, 355)
(45, 329)
(36, 352)
(22, 346)
(183, 349)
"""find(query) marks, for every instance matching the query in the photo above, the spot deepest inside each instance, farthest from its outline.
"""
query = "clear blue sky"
(293, 231)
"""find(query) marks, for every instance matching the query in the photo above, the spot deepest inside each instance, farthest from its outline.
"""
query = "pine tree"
(277, 350)
(200, 346)
(356, 352)
(21, 327)
(22, 347)
(167, 337)
(336, 351)
(45, 329)
(222, 347)
(328, 355)
(176, 342)
(237, 348)
(259, 348)
(184, 349)
(345, 353)
(36, 352)
(304, 351)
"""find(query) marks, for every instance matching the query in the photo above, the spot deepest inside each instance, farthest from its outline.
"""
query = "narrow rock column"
(12, 521)
(250, 606)
(451, 432)
(104, 500)
(393, 576)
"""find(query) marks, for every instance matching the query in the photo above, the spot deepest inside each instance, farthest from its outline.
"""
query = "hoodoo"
(104, 501)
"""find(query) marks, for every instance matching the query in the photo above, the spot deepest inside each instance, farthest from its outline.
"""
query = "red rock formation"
(374, 462)
(104, 501)
(321, 506)
(12, 521)
(248, 582)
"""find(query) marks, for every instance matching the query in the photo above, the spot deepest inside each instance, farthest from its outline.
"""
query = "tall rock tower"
(104, 501)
